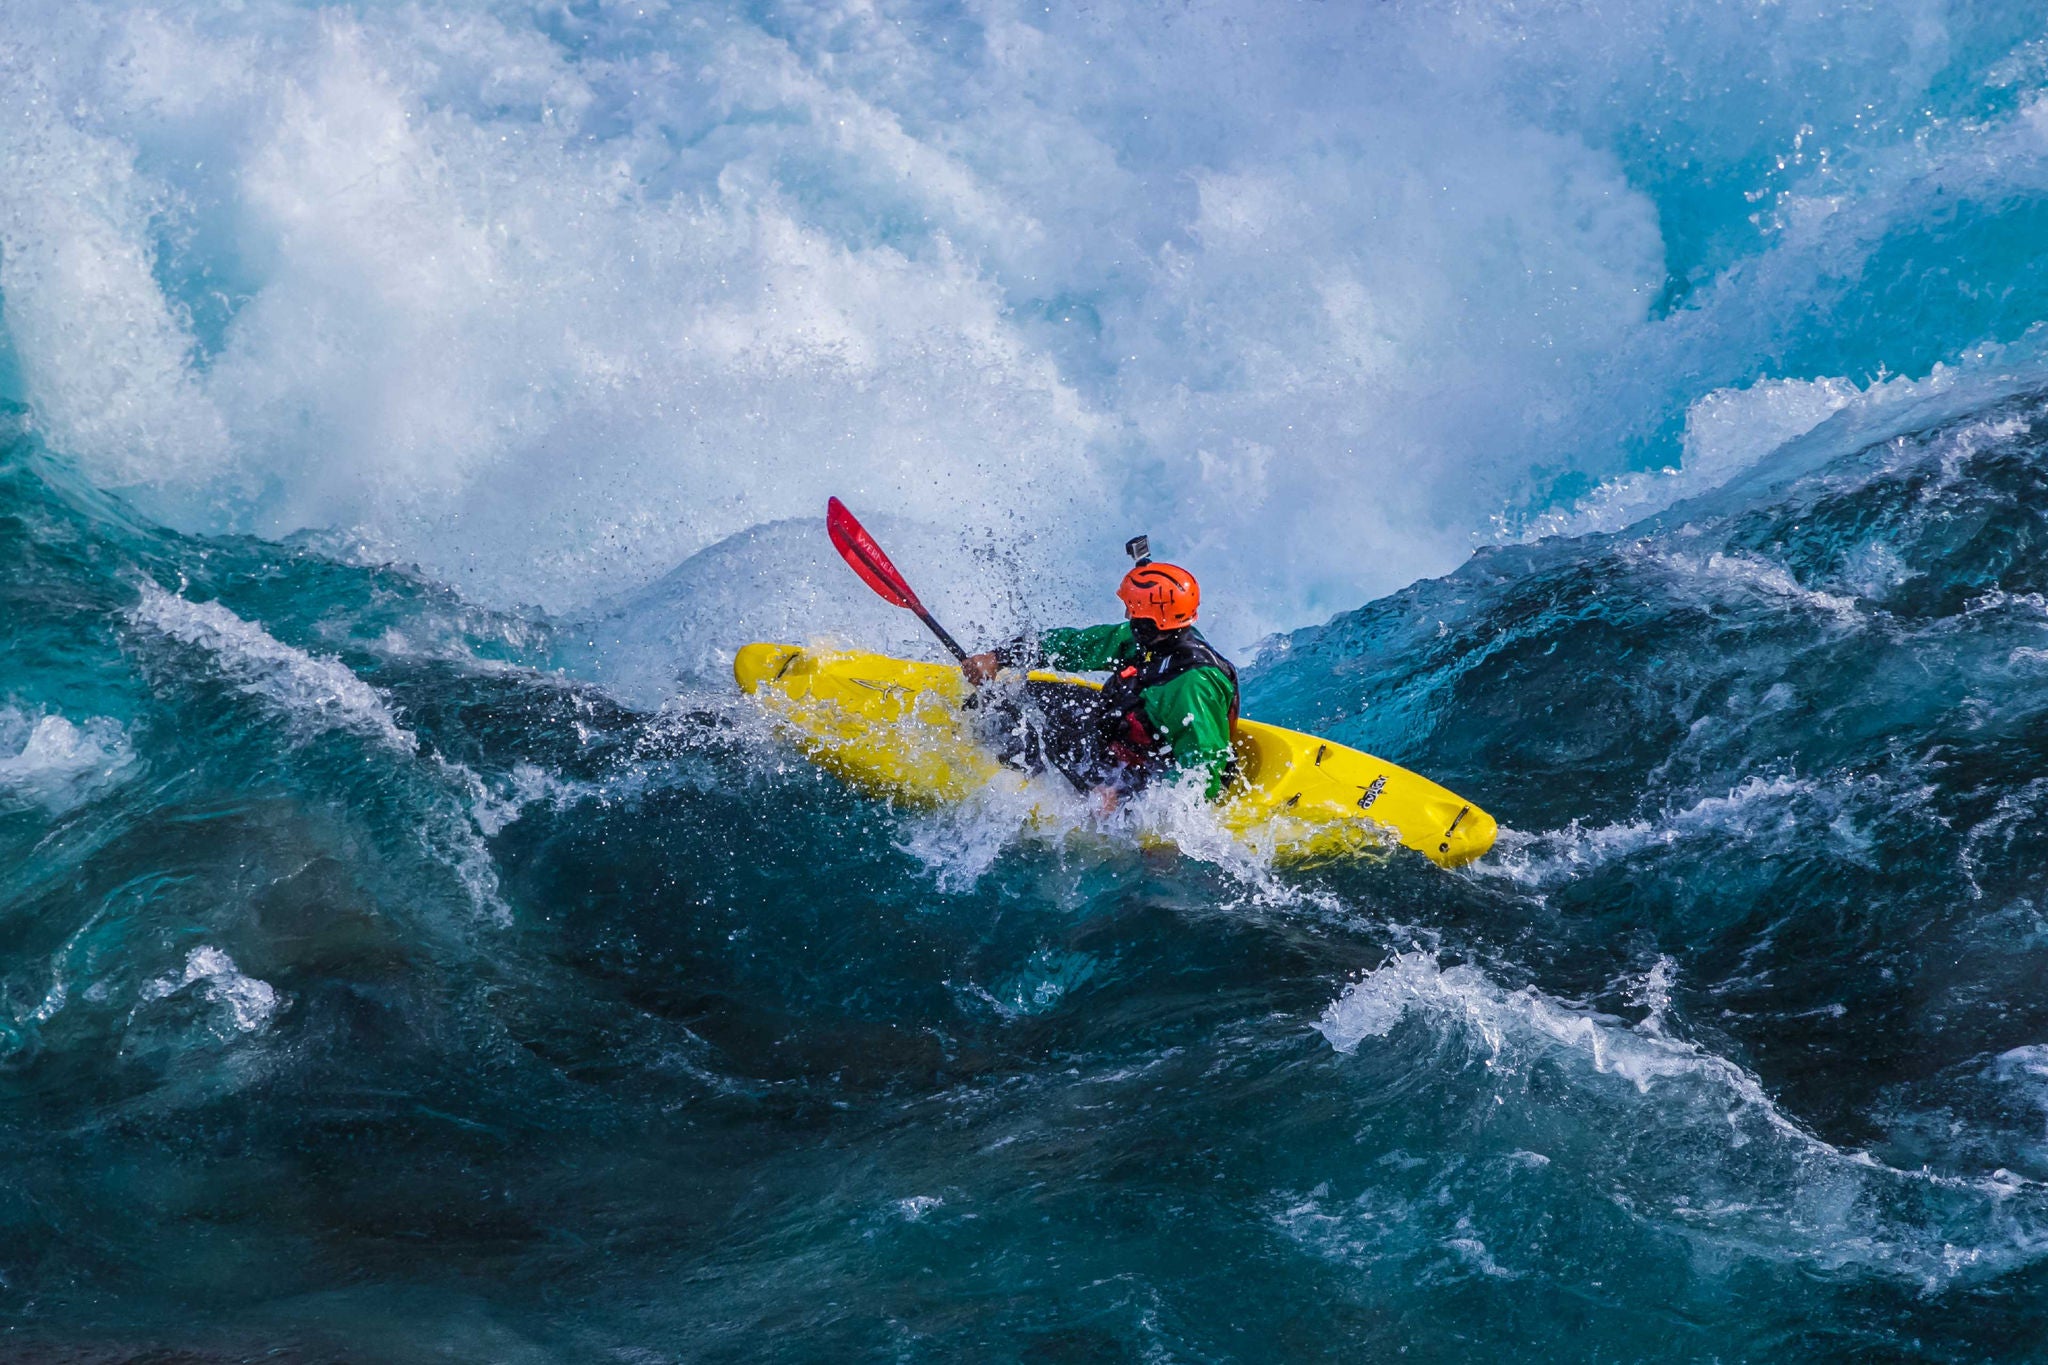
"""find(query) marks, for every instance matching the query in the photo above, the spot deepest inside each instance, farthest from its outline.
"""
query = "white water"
(548, 300)
(1739, 1173)
(51, 762)
(315, 694)
(247, 1004)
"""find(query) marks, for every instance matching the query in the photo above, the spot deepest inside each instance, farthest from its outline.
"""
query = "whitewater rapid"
(1632, 415)
(547, 300)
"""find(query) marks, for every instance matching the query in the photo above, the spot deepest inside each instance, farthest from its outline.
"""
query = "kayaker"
(1169, 705)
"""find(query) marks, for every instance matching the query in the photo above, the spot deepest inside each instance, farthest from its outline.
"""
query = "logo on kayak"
(873, 686)
(1372, 793)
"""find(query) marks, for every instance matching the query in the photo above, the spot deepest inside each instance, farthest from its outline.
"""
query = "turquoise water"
(412, 950)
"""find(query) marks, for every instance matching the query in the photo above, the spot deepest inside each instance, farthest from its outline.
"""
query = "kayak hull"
(894, 727)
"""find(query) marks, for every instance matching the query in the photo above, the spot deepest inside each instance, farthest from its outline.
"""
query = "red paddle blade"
(859, 550)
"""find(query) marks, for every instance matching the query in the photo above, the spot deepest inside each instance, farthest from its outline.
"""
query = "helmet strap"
(1148, 632)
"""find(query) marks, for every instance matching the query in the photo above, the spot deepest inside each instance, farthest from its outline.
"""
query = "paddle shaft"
(948, 641)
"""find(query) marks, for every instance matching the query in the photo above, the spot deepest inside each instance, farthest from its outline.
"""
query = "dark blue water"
(371, 990)
(1633, 415)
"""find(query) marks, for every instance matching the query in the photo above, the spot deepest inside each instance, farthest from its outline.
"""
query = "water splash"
(48, 761)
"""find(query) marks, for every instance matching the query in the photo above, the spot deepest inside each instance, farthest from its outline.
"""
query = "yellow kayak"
(894, 727)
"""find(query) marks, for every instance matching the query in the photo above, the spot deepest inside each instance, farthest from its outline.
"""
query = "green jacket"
(1191, 711)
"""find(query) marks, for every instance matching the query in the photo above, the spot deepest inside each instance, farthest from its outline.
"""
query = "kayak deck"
(894, 727)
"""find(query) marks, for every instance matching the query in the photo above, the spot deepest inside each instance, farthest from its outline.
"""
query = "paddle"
(859, 550)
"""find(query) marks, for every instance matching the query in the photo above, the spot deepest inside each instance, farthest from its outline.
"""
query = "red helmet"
(1164, 594)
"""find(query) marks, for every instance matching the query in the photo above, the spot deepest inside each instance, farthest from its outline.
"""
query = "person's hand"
(1105, 799)
(979, 668)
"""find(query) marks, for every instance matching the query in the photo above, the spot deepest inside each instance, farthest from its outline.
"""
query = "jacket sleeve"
(1193, 712)
(1086, 649)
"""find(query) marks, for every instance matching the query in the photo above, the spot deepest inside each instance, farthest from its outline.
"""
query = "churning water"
(411, 949)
